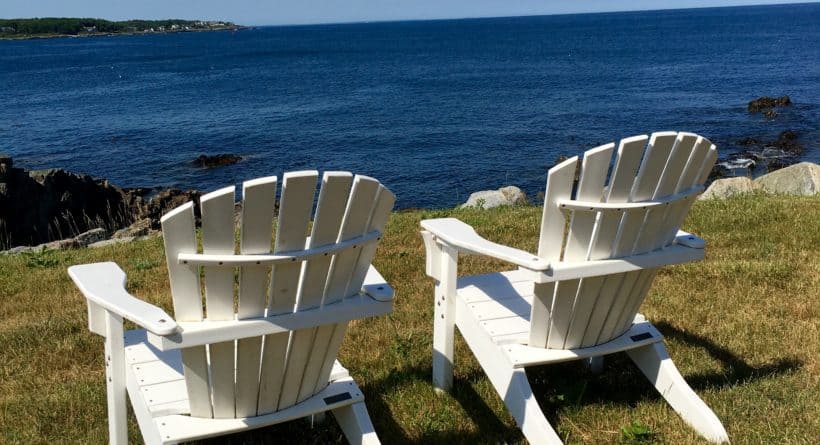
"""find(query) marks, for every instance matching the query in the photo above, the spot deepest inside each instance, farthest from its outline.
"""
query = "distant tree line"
(77, 26)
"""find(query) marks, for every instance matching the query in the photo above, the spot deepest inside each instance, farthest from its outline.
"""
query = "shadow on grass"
(489, 427)
(558, 387)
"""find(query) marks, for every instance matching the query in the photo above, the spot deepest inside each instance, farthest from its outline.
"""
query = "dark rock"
(787, 141)
(168, 199)
(44, 205)
(770, 114)
(777, 164)
(745, 142)
(765, 102)
(208, 161)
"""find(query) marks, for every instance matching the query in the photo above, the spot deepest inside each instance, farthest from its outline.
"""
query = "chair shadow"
(487, 422)
(567, 384)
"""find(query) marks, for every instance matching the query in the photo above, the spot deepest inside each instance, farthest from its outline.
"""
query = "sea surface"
(434, 109)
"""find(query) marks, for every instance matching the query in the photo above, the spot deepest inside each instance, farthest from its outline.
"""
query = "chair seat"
(500, 302)
(155, 382)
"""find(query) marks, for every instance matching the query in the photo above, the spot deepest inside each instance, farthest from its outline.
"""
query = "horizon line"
(433, 19)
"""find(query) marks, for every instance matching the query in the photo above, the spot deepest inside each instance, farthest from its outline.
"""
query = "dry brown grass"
(742, 326)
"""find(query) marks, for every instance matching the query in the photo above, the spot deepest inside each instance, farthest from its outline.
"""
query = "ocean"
(434, 109)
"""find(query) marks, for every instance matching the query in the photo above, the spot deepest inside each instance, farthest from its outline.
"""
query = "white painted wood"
(460, 235)
(280, 258)
(333, 198)
(444, 320)
(374, 202)
(115, 380)
(656, 225)
(356, 424)
(193, 333)
(296, 202)
(653, 360)
(618, 207)
(218, 238)
(181, 428)
(510, 384)
(574, 299)
(628, 158)
(610, 260)
(550, 243)
(258, 200)
(179, 236)
(103, 284)
(177, 392)
(195, 368)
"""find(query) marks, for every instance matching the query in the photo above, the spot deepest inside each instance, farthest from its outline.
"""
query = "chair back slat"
(550, 244)
(260, 375)
(333, 197)
(179, 236)
(627, 160)
(295, 205)
(566, 307)
(590, 311)
(353, 223)
(258, 202)
(378, 219)
(218, 238)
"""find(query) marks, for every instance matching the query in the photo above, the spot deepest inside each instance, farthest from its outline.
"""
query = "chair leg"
(653, 360)
(115, 380)
(356, 424)
(444, 321)
(514, 387)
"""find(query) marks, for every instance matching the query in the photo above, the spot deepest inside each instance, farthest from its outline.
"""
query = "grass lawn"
(743, 327)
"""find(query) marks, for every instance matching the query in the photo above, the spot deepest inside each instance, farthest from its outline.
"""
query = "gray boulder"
(798, 179)
(505, 196)
(723, 188)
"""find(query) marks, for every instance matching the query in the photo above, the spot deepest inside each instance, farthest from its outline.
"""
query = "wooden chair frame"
(600, 246)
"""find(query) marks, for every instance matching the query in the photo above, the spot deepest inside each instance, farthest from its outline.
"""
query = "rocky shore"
(55, 209)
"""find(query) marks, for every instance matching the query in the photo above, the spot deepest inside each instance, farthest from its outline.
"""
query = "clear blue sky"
(276, 12)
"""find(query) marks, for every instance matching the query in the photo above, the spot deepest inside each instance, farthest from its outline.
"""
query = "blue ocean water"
(434, 109)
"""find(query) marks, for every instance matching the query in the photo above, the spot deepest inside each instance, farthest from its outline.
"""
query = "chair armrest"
(464, 238)
(104, 285)
(689, 240)
(375, 286)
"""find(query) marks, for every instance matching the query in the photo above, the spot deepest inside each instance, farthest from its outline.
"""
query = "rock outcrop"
(40, 206)
(504, 196)
(723, 188)
(797, 179)
(766, 103)
(43, 205)
(212, 161)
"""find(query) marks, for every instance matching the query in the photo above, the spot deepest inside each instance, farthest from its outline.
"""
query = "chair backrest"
(255, 376)
(667, 166)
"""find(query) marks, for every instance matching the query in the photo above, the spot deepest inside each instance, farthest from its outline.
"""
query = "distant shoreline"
(57, 28)
(107, 34)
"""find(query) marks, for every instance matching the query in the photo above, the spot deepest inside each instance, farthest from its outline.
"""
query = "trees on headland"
(17, 28)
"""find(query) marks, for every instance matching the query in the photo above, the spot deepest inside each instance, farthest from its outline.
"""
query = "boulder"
(797, 179)
(723, 188)
(504, 196)
(767, 103)
(211, 161)
(91, 236)
(139, 228)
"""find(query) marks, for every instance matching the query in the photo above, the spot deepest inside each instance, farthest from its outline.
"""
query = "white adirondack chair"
(269, 356)
(579, 297)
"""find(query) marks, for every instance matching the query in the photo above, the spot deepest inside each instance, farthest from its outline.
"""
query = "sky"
(287, 12)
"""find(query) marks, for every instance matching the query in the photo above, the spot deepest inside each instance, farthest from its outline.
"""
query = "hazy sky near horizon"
(279, 12)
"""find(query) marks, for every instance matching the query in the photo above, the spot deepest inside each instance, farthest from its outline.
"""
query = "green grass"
(743, 327)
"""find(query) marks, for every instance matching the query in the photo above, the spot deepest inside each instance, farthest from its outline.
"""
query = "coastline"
(111, 34)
